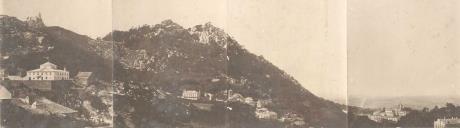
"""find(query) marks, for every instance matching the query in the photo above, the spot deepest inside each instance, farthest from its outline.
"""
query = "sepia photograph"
(229, 64)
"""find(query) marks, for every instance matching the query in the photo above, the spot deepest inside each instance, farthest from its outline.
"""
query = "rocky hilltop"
(170, 57)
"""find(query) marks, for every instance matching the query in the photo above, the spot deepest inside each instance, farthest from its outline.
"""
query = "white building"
(250, 101)
(47, 71)
(264, 113)
(191, 94)
(14, 78)
(447, 123)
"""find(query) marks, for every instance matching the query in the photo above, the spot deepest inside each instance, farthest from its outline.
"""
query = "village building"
(263, 102)
(223, 95)
(14, 78)
(209, 96)
(84, 78)
(292, 119)
(250, 101)
(264, 113)
(203, 106)
(47, 71)
(447, 123)
(236, 97)
(190, 94)
(388, 114)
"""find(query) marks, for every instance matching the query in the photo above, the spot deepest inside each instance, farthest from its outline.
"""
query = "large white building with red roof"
(47, 71)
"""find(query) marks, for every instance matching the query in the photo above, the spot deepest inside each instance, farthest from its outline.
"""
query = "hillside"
(150, 66)
(171, 57)
(24, 45)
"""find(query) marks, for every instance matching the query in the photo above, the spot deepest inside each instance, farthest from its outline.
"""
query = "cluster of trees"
(426, 116)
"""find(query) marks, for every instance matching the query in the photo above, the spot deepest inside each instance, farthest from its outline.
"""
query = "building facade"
(264, 113)
(191, 94)
(47, 71)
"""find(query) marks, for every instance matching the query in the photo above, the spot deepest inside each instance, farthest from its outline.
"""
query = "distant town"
(400, 116)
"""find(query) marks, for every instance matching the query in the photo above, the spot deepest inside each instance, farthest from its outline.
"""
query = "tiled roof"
(44, 106)
(84, 74)
(45, 69)
(48, 64)
(53, 107)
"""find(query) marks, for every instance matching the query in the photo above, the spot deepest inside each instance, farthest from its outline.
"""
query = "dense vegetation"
(426, 116)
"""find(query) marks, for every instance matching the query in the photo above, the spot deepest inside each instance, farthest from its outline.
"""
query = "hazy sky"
(306, 38)
(403, 48)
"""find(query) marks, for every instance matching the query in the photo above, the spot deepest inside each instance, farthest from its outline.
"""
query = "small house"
(84, 78)
(190, 94)
(250, 101)
(264, 113)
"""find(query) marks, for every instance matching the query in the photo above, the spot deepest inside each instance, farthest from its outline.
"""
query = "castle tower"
(35, 22)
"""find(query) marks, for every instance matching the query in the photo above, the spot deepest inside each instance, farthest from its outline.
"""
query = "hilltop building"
(47, 71)
(35, 22)
(264, 113)
(191, 94)
(447, 123)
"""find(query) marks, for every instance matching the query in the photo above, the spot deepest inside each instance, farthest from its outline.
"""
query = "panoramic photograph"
(229, 64)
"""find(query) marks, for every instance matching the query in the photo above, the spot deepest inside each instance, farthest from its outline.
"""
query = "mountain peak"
(208, 33)
(208, 26)
(170, 24)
